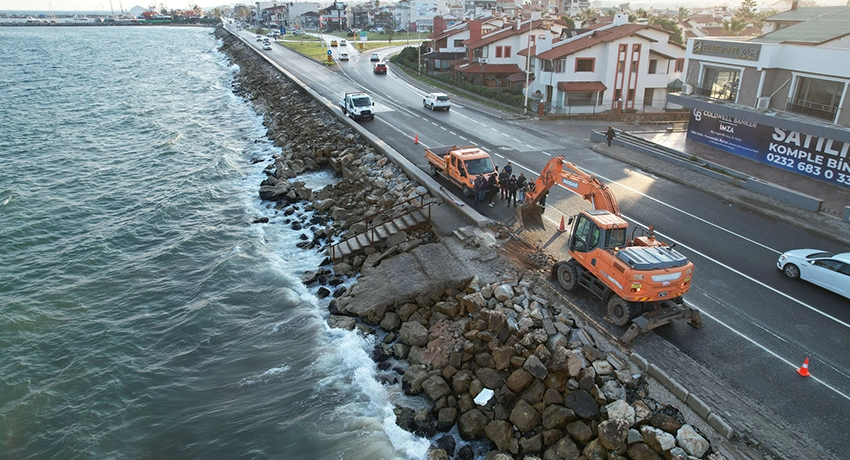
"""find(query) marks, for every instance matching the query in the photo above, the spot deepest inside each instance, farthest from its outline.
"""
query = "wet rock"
(471, 425)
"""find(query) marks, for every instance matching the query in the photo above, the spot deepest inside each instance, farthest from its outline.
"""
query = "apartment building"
(778, 99)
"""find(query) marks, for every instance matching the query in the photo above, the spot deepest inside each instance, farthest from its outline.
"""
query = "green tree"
(670, 26)
(735, 25)
(569, 21)
(641, 13)
(683, 13)
(747, 10)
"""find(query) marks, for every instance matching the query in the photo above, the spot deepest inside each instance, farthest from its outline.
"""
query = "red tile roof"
(596, 37)
(580, 86)
(500, 34)
(490, 68)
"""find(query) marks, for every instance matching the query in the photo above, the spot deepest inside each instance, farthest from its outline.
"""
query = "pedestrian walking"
(504, 177)
(512, 188)
(610, 135)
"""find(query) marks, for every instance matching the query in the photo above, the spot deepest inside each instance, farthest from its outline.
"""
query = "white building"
(618, 67)
(780, 98)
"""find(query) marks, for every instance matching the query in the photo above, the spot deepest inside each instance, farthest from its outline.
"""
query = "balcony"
(812, 109)
(724, 92)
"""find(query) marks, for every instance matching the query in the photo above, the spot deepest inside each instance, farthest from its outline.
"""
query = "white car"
(827, 270)
(267, 46)
(436, 101)
(342, 42)
(343, 56)
(375, 57)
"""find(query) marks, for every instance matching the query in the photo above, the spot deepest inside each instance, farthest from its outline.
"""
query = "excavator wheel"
(619, 311)
(568, 275)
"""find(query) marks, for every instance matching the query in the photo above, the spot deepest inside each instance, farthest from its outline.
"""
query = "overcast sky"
(103, 5)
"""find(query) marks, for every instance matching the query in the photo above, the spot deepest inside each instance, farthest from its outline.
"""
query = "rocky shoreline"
(500, 360)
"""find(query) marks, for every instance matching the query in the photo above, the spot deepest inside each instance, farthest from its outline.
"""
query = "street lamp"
(419, 47)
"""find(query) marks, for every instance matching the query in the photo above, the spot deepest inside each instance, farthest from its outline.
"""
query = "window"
(561, 65)
(634, 66)
(680, 65)
(507, 50)
(816, 98)
(622, 48)
(548, 66)
(584, 98)
(585, 65)
(458, 43)
(719, 83)
(498, 51)
(636, 47)
(653, 66)
(618, 94)
(632, 94)
(620, 66)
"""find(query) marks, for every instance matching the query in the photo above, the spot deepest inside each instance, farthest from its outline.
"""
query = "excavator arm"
(560, 172)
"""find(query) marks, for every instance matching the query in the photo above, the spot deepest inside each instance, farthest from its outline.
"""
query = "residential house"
(492, 59)
(779, 99)
(333, 17)
(618, 66)
(303, 15)
(447, 41)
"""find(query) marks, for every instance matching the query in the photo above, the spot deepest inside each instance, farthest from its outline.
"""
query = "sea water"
(143, 314)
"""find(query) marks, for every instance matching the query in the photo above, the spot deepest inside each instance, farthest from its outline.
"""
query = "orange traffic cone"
(804, 371)
(416, 139)
(562, 228)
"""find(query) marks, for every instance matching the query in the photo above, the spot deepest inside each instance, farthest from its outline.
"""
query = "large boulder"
(659, 440)
(471, 425)
(564, 449)
(613, 434)
(557, 417)
(582, 404)
(524, 416)
(436, 387)
(501, 433)
(413, 334)
(688, 439)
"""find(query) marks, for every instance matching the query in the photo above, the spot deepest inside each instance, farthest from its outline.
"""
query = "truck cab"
(358, 106)
(461, 165)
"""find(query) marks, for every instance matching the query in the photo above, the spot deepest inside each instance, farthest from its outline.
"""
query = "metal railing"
(812, 109)
(371, 229)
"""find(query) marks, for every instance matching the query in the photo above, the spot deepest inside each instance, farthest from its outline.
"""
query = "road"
(759, 326)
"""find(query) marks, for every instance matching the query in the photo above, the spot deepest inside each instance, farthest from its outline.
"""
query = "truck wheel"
(567, 275)
(433, 170)
(466, 191)
(619, 311)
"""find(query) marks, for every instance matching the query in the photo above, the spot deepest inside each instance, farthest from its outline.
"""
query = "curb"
(684, 395)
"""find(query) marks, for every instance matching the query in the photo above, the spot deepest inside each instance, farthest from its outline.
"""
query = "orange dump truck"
(461, 165)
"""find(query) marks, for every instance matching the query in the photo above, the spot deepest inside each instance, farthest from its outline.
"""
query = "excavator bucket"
(530, 217)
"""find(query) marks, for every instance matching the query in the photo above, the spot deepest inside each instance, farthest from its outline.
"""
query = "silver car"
(825, 269)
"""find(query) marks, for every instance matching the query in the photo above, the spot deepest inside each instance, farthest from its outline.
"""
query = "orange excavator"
(640, 279)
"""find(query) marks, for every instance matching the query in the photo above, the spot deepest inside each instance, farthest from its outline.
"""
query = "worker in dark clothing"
(512, 188)
(504, 177)
(492, 187)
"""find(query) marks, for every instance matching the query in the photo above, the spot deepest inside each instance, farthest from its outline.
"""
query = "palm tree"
(683, 14)
(735, 26)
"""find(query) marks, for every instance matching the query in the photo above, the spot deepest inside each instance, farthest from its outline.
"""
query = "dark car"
(380, 68)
